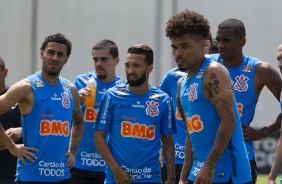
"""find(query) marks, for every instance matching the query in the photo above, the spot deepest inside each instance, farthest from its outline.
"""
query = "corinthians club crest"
(152, 108)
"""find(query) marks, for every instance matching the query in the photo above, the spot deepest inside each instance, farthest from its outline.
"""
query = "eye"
(50, 52)
(60, 54)
(104, 59)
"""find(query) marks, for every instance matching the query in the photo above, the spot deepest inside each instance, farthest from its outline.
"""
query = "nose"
(219, 44)
(177, 52)
(130, 70)
(55, 57)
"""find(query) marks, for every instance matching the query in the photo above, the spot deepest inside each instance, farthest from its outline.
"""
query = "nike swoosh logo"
(44, 99)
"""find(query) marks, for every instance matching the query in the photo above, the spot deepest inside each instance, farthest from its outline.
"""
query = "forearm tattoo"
(74, 146)
(169, 152)
(77, 113)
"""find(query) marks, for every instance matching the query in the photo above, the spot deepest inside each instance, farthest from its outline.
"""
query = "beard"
(182, 69)
(101, 76)
(138, 82)
(53, 72)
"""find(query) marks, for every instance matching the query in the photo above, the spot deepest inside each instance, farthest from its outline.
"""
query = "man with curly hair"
(169, 85)
(214, 147)
(51, 116)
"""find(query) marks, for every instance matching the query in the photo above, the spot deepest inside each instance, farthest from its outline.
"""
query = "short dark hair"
(2, 64)
(235, 24)
(58, 38)
(107, 44)
(187, 22)
(144, 50)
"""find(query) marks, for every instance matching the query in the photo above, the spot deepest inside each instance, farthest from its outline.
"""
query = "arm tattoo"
(74, 146)
(275, 81)
(77, 113)
(212, 76)
(214, 86)
(169, 152)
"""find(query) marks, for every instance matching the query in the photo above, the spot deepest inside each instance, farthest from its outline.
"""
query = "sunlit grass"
(262, 179)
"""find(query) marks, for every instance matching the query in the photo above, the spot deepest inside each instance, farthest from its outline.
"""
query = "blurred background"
(25, 23)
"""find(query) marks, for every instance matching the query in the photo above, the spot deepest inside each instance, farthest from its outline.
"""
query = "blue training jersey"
(88, 158)
(242, 78)
(47, 127)
(135, 124)
(169, 85)
(203, 122)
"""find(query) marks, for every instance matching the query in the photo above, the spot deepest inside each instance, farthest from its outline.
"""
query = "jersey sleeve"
(168, 125)
(164, 84)
(104, 117)
(78, 82)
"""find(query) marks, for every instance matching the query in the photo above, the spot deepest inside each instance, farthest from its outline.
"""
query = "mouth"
(53, 65)
(100, 70)
(131, 77)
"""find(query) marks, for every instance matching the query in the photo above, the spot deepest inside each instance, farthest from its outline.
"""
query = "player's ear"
(116, 60)
(150, 68)
(243, 41)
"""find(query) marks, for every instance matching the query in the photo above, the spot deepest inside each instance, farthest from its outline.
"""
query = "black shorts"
(86, 177)
(178, 168)
(254, 171)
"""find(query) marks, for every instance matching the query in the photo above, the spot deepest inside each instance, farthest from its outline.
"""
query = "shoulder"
(157, 93)
(120, 82)
(216, 71)
(82, 76)
(25, 85)
(264, 68)
(175, 72)
(215, 66)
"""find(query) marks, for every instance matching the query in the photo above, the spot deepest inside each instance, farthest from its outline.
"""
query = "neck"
(139, 90)
(233, 62)
(194, 68)
(2, 87)
(109, 78)
(51, 79)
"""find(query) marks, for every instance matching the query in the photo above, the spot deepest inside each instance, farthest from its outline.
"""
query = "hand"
(20, 151)
(71, 159)
(15, 133)
(84, 92)
(121, 176)
(205, 175)
(250, 134)
(271, 181)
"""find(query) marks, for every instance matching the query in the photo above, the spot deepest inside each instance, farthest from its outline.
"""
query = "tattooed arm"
(265, 75)
(188, 159)
(218, 89)
(77, 128)
(169, 155)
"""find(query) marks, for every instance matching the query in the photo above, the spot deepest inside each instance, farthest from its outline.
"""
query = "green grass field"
(262, 179)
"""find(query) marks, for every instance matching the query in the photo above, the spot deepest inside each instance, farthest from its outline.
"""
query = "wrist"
(10, 146)
(262, 132)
